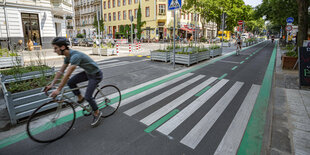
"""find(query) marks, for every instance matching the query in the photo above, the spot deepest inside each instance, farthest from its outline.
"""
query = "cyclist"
(272, 38)
(91, 73)
(239, 44)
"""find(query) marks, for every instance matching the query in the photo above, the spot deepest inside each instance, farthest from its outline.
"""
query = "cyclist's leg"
(93, 80)
(78, 78)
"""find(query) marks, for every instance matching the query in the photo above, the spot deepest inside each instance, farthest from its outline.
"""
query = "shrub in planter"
(160, 55)
(289, 60)
(10, 59)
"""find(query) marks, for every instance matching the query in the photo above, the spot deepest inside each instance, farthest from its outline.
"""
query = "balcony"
(61, 7)
(69, 17)
(69, 27)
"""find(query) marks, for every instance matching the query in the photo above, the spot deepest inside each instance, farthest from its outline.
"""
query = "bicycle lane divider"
(128, 93)
(252, 139)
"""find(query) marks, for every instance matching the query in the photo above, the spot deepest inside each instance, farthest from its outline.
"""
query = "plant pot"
(26, 76)
(216, 52)
(227, 44)
(22, 104)
(11, 61)
(203, 55)
(160, 56)
(289, 62)
(186, 59)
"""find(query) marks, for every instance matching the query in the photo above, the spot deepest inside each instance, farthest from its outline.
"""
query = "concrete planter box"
(22, 104)
(186, 59)
(160, 56)
(216, 52)
(244, 44)
(11, 61)
(103, 51)
(203, 55)
(227, 44)
(26, 76)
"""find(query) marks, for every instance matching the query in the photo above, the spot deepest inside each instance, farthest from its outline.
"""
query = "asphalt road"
(199, 110)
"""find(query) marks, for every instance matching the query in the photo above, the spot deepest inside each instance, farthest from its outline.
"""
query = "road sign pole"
(131, 19)
(98, 18)
(223, 21)
(174, 39)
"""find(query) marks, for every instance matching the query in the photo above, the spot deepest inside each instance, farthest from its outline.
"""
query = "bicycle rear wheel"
(108, 99)
(51, 121)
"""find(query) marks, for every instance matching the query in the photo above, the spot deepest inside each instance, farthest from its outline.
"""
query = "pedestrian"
(20, 46)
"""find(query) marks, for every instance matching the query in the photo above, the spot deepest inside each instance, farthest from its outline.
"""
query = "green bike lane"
(117, 133)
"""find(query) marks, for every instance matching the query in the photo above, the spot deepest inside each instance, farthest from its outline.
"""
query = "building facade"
(38, 21)
(159, 21)
(85, 11)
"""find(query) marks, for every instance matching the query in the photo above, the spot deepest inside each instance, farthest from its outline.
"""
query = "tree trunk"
(302, 21)
(203, 29)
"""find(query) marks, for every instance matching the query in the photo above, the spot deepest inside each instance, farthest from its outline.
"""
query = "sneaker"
(96, 119)
(81, 101)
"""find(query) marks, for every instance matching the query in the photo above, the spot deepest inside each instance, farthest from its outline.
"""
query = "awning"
(186, 29)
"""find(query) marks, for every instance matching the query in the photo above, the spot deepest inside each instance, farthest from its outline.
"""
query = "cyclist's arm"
(59, 73)
(66, 77)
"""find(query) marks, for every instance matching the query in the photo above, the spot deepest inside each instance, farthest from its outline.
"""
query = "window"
(136, 1)
(105, 17)
(129, 13)
(124, 2)
(129, 2)
(124, 15)
(114, 16)
(31, 28)
(113, 3)
(136, 13)
(147, 12)
(109, 4)
(109, 16)
(104, 5)
(162, 9)
(118, 2)
(119, 15)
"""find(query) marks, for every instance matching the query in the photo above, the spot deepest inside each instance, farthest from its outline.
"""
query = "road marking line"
(153, 89)
(220, 78)
(161, 96)
(161, 121)
(193, 138)
(203, 91)
(178, 101)
(241, 62)
(233, 136)
(234, 68)
(247, 58)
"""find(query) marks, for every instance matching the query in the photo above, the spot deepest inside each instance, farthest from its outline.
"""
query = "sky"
(253, 3)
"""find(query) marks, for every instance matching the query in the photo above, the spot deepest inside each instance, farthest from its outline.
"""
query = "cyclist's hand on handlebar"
(47, 88)
(54, 93)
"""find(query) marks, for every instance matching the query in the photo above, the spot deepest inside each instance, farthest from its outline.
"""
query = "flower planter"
(227, 44)
(288, 62)
(22, 104)
(215, 52)
(203, 55)
(103, 51)
(160, 56)
(11, 61)
(186, 59)
(25, 76)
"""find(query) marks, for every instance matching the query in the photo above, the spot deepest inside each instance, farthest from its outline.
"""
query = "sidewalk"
(290, 118)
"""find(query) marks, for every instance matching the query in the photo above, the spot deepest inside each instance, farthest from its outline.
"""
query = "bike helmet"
(59, 41)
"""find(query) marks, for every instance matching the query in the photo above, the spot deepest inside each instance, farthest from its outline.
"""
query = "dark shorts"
(239, 43)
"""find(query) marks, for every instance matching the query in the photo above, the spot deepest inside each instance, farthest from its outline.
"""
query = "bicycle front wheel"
(51, 121)
(108, 99)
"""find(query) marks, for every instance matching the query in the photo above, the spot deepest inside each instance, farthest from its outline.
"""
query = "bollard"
(117, 49)
(137, 47)
(129, 48)
(140, 46)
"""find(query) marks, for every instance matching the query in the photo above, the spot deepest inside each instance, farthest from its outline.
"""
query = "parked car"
(76, 41)
(86, 42)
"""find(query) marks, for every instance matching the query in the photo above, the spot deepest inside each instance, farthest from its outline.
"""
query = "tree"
(95, 24)
(139, 23)
(303, 6)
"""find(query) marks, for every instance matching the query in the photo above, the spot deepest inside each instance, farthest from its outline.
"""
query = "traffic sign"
(290, 20)
(240, 22)
(174, 4)
(289, 28)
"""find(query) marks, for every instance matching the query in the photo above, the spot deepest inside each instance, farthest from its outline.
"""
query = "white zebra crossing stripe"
(233, 136)
(163, 95)
(174, 122)
(170, 106)
(193, 138)
(149, 91)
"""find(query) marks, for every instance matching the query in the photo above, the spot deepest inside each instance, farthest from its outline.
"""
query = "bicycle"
(52, 120)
